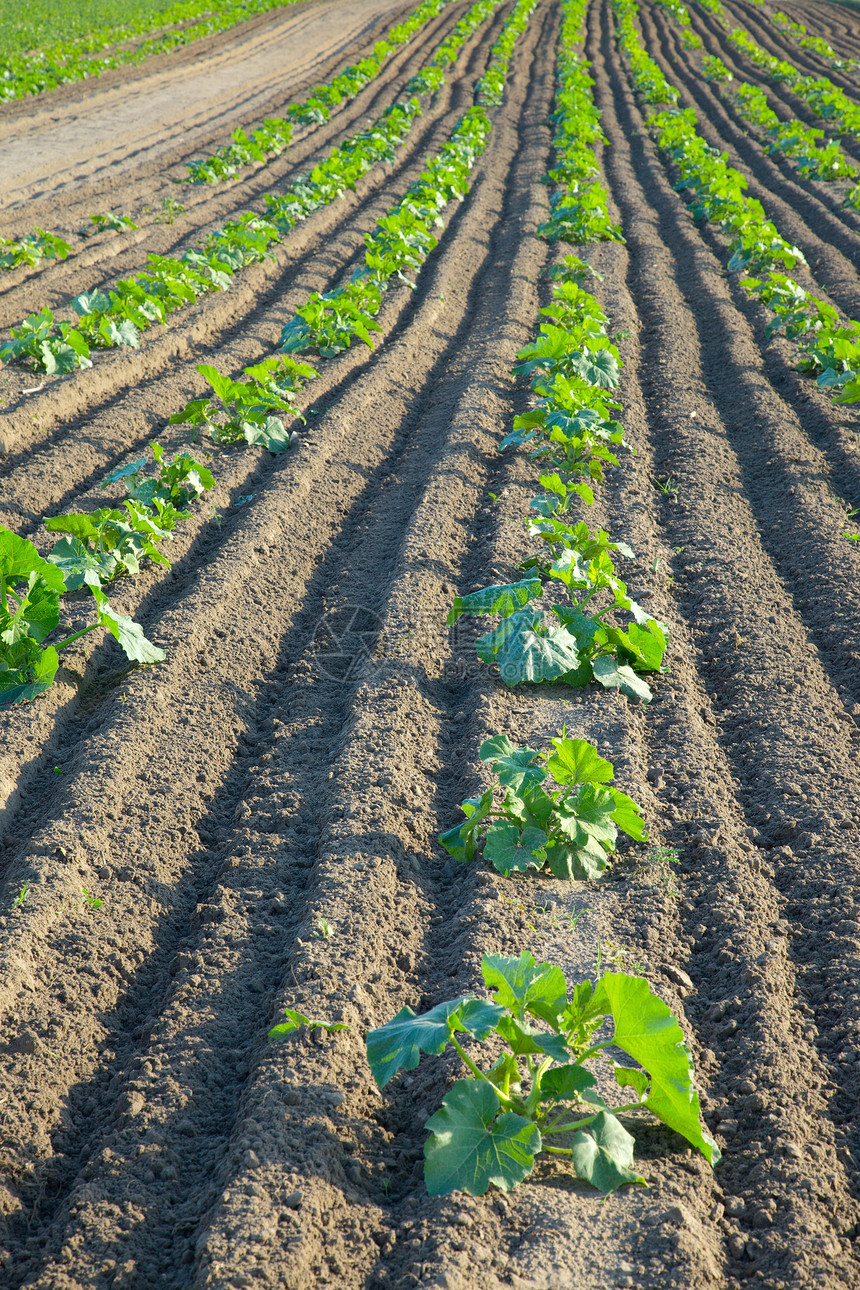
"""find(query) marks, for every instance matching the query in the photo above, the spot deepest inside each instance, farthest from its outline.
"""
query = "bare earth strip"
(109, 127)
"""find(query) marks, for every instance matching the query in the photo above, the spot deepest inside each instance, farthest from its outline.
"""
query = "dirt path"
(110, 125)
(314, 727)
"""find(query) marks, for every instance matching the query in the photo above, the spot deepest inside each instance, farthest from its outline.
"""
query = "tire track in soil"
(758, 681)
(477, 221)
(46, 472)
(209, 206)
(47, 139)
(68, 404)
(795, 206)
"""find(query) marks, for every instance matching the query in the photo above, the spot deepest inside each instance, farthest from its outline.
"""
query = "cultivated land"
(314, 724)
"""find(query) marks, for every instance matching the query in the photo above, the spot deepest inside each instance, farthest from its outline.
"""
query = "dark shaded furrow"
(742, 527)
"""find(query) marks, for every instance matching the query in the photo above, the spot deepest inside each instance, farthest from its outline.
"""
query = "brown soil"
(314, 727)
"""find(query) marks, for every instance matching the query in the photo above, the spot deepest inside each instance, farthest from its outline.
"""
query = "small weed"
(170, 208)
(91, 901)
(22, 895)
(668, 487)
(620, 957)
(323, 930)
(658, 861)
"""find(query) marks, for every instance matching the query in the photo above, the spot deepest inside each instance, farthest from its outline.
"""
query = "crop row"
(274, 135)
(33, 72)
(797, 32)
(113, 542)
(828, 346)
(106, 319)
(800, 144)
(819, 94)
(555, 808)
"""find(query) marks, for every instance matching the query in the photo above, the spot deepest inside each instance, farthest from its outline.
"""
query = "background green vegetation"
(47, 22)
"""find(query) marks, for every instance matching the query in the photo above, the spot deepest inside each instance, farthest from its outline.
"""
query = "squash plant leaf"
(503, 599)
(513, 767)
(576, 761)
(523, 985)
(647, 1031)
(401, 1041)
(603, 1153)
(513, 850)
(472, 1147)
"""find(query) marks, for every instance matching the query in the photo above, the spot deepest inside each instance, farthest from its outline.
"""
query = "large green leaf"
(19, 558)
(577, 863)
(526, 986)
(512, 850)
(523, 1038)
(620, 677)
(646, 1029)
(603, 1153)
(626, 816)
(526, 651)
(576, 761)
(472, 1147)
(598, 367)
(15, 689)
(124, 629)
(513, 767)
(504, 598)
(566, 1083)
(401, 1041)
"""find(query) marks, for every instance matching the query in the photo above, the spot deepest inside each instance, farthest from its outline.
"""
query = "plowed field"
(315, 725)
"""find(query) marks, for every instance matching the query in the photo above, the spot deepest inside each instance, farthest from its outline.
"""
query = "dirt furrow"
(124, 1100)
(163, 111)
(800, 209)
(753, 932)
(209, 206)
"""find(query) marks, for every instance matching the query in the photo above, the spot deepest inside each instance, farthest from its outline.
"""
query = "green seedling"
(659, 861)
(668, 487)
(111, 221)
(91, 901)
(523, 822)
(323, 930)
(22, 895)
(170, 209)
(296, 1020)
(540, 1094)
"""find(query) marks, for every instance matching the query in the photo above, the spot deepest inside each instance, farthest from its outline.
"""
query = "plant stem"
(76, 636)
(476, 1070)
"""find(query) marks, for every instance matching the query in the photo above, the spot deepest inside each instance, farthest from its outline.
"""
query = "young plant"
(540, 1094)
(240, 411)
(30, 590)
(109, 220)
(31, 248)
(523, 822)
